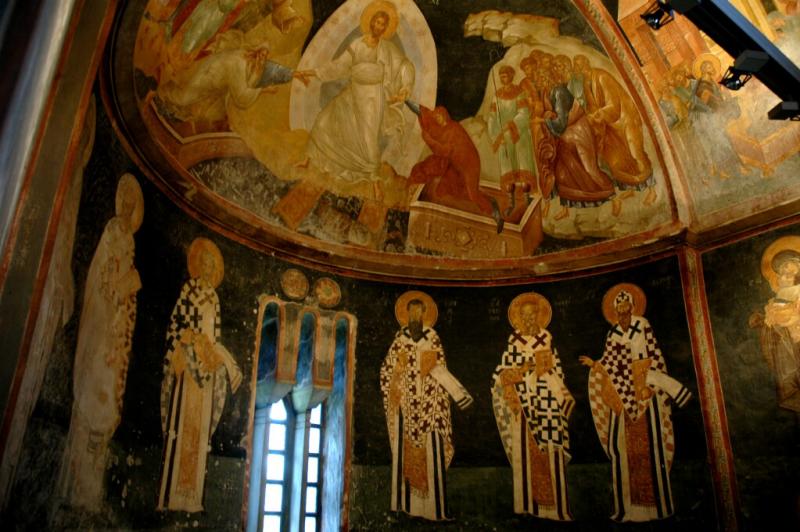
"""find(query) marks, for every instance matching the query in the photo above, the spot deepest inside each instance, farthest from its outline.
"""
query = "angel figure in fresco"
(630, 395)
(454, 168)
(779, 324)
(416, 388)
(348, 133)
(197, 371)
(618, 128)
(105, 332)
(532, 406)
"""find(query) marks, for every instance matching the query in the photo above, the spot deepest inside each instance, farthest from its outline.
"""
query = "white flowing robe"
(629, 393)
(204, 92)
(531, 406)
(348, 136)
(108, 316)
(510, 109)
(416, 389)
(193, 395)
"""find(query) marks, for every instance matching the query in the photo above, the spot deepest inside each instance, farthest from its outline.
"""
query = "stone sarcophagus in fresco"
(448, 231)
(760, 151)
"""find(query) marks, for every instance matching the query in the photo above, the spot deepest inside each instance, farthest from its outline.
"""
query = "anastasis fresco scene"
(413, 130)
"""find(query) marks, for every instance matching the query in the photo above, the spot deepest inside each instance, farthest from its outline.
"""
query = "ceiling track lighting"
(658, 15)
(748, 63)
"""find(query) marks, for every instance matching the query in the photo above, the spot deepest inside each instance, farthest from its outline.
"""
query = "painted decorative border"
(713, 406)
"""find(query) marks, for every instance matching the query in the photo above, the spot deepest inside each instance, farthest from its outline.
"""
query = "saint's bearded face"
(207, 267)
(415, 313)
(528, 314)
(256, 59)
(415, 326)
(378, 24)
(126, 210)
(624, 309)
(787, 273)
(581, 64)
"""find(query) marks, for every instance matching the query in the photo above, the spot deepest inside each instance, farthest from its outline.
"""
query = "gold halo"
(328, 292)
(782, 244)
(401, 308)
(545, 310)
(702, 59)
(198, 247)
(127, 186)
(294, 284)
(639, 301)
(374, 7)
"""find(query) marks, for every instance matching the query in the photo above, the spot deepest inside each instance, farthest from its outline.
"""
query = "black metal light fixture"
(657, 15)
(734, 79)
(748, 63)
(785, 111)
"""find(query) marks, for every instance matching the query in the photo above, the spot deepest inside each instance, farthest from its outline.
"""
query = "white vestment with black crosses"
(622, 349)
(421, 418)
(546, 405)
(192, 398)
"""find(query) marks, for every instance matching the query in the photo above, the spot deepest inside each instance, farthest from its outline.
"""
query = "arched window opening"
(297, 476)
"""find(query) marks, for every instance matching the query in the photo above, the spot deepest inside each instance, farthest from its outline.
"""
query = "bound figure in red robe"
(454, 169)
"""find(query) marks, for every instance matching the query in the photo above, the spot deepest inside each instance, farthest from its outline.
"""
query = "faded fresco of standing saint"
(416, 388)
(532, 406)
(105, 333)
(630, 395)
(197, 371)
(779, 325)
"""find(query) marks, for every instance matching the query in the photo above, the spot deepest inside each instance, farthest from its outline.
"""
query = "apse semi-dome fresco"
(443, 139)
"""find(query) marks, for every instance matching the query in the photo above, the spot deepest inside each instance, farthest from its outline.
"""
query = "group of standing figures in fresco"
(571, 128)
(197, 368)
(630, 395)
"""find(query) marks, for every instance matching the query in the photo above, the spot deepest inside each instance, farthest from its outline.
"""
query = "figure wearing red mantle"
(454, 167)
